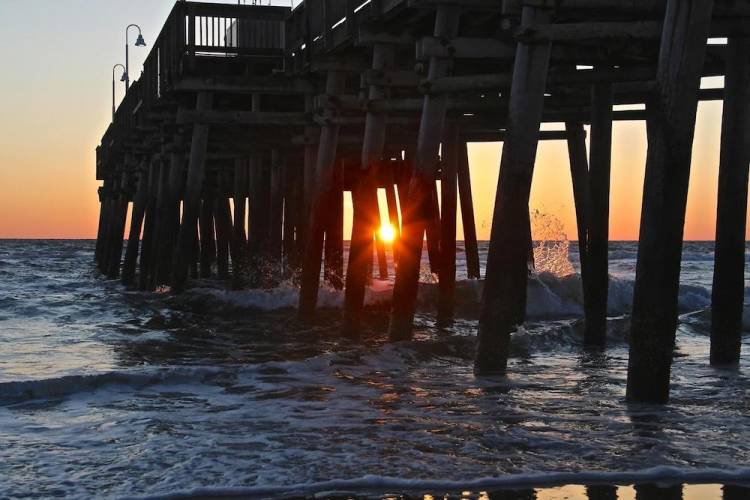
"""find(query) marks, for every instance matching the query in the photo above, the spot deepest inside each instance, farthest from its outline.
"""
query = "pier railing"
(322, 25)
(193, 31)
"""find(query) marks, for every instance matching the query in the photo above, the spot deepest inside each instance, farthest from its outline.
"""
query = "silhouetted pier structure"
(262, 117)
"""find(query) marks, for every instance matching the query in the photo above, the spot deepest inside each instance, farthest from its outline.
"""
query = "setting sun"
(387, 233)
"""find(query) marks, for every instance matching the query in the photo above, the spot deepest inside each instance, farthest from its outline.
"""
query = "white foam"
(549, 296)
(27, 390)
(373, 483)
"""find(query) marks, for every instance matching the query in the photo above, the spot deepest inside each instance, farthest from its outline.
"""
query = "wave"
(549, 297)
(372, 483)
(15, 392)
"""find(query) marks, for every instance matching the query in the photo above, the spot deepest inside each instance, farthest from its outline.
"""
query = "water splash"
(551, 245)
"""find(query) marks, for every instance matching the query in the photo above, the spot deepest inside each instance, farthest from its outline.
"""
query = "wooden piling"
(432, 231)
(118, 228)
(112, 195)
(597, 280)
(334, 233)
(259, 207)
(239, 197)
(393, 218)
(291, 194)
(449, 213)
(136, 226)
(728, 292)
(579, 172)
(276, 212)
(207, 234)
(105, 193)
(322, 188)
(416, 213)
(161, 205)
(670, 137)
(365, 200)
(471, 246)
(507, 261)
(601, 492)
(145, 262)
(171, 225)
(192, 199)
(225, 245)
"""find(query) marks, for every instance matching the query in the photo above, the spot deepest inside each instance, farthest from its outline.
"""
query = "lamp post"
(123, 78)
(139, 42)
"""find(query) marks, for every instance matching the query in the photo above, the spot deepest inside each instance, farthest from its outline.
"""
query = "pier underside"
(233, 151)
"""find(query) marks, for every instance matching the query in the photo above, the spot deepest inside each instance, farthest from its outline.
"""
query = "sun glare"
(387, 233)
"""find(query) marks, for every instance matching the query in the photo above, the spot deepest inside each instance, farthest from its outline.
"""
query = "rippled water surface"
(109, 393)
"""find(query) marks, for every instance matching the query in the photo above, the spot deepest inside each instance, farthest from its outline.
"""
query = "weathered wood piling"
(235, 149)
(728, 295)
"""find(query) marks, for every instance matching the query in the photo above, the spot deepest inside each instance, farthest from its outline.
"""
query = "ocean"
(111, 393)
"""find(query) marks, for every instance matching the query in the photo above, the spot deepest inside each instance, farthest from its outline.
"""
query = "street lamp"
(139, 42)
(123, 78)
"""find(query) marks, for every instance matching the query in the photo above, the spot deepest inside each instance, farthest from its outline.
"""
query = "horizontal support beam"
(489, 5)
(722, 8)
(283, 119)
(367, 36)
(632, 30)
(590, 31)
(500, 81)
(270, 85)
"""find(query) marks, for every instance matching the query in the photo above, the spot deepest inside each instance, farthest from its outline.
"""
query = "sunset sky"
(55, 104)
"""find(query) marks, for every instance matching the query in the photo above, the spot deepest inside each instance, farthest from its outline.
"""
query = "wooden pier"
(233, 150)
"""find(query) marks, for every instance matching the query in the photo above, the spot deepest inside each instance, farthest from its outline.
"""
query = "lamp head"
(140, 42)
(124, 77)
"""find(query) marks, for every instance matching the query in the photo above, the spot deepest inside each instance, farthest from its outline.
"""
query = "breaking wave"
(549, 297)
(61, 387)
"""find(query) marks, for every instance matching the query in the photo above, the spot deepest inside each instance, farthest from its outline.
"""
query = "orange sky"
(55, 110)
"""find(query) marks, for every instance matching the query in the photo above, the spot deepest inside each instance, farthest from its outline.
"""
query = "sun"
(387, 233)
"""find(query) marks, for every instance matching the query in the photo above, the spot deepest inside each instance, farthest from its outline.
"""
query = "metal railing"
(193, 30)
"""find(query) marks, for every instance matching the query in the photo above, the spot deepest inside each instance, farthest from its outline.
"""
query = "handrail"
(193, 30)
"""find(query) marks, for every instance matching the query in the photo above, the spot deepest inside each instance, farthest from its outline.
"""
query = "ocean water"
(111, 393)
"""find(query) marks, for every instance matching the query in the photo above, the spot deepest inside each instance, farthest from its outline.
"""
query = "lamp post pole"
(138, 43)
(125, 72)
